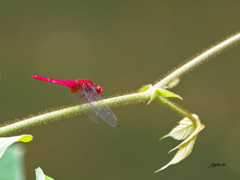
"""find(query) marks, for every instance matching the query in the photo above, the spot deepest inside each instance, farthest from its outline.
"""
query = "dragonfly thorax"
(88, 85)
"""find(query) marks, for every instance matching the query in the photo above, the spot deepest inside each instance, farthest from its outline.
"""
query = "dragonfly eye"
(98, 89)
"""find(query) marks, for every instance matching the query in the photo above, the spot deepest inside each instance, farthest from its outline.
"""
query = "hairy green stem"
(203, 57)
(136, 97)
(178, 109)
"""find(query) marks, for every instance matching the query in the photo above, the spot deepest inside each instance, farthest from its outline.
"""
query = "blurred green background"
(121, 45)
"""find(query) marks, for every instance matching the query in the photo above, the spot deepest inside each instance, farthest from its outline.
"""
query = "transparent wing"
(80, 98)
(104, 112)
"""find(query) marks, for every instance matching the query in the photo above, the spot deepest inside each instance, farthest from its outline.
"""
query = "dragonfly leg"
(79, 96)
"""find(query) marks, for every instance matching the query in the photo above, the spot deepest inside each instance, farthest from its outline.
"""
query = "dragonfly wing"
(104, 112)
(80, 98)
(92, 115)
(107, 115)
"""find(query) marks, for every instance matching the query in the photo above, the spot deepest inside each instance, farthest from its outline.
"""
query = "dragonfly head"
(98, 88)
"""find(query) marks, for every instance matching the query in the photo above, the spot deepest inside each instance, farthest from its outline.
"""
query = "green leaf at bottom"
(12, 163)
(40, 175)
(5, 142)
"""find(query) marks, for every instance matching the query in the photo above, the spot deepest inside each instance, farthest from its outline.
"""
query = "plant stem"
(213, 51)
(178, 109)
(134, 98)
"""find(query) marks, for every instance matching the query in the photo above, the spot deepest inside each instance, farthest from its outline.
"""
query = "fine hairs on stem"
(201, 58)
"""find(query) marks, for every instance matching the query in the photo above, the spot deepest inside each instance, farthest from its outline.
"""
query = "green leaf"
(166, 93)
(199, 128)
(173, 83)
(182, 153)
(145, 88)
(40, 175)
(187, 130)
(12, 163)
(154, 95)
(5, 142)
(183, 130)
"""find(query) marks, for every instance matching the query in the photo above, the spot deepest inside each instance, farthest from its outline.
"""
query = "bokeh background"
(121, 45)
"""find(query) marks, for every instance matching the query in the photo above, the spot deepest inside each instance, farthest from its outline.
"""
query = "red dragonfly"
(84, 91)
